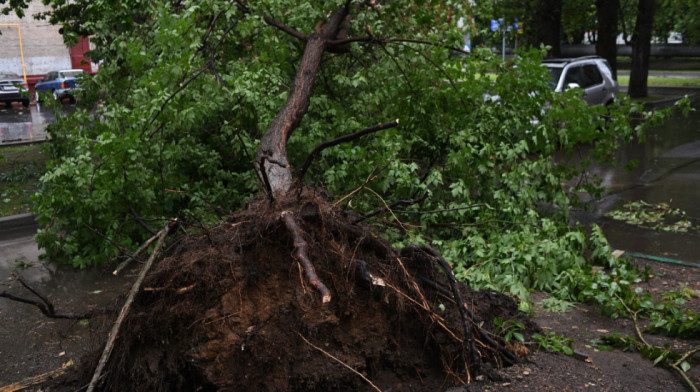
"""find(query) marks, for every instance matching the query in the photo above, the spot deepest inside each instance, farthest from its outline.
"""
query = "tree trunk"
(606, 45)
(548, 25)
(271, 157)
(641, 49)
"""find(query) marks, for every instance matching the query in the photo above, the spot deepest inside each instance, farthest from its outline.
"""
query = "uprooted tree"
(184, 121)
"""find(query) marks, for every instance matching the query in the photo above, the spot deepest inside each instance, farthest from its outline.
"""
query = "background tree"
(641, 49)
(578, 20)
(606, 45)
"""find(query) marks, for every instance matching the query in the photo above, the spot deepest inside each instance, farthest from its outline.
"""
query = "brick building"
(31, 48)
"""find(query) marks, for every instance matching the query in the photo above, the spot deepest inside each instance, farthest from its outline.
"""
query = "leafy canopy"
(169, 125)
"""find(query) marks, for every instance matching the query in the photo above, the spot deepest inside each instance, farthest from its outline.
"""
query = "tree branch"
(138, 218)
(273, 144)
(283, 27)
(373, 39)
(339, 140)
(127, 305)
(45, 306)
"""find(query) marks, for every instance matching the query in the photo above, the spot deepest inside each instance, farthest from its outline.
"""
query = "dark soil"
(231, 309)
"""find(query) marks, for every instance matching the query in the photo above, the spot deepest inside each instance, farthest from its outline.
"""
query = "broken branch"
(45, 306)
(127, 305)
(300, 254)
(145, 245)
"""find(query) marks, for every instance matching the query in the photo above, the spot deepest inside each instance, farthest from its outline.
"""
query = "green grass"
(664, 82)
(20, 169)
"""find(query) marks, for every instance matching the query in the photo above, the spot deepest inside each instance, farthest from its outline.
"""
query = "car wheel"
(8, 105)
(71, 99)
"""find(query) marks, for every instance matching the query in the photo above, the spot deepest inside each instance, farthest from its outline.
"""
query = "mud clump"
(232, 310)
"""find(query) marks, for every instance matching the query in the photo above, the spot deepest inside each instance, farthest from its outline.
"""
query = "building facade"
(31, 48)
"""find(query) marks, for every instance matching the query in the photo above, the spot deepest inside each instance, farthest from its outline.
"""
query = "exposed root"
(300, 246)
(226, 311)
(339, 361)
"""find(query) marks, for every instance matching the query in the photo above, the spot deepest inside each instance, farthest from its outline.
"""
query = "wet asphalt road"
(26, 125)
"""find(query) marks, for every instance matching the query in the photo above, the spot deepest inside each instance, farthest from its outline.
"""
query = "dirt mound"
(233, 310)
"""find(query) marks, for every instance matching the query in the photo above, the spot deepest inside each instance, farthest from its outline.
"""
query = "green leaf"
(685, 366)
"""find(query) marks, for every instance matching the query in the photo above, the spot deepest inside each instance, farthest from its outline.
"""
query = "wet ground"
(27, 125)
(668, 171)
(30, 344)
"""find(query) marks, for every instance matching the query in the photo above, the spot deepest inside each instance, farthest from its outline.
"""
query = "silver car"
(12, 87)
(590, 73)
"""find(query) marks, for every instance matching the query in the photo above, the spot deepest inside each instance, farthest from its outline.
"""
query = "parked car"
(11, 88)
(60, 84)
(590, 73)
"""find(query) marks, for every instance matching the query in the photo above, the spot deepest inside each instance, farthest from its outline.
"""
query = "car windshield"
(71, 74)
(555, 73)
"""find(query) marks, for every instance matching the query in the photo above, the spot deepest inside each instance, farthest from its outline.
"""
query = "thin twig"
(265, 180)
(391, 206)
(339, 361)
(389, 209)
(351, 194)
(127, 305)
(37, 380)
(674, 365)
(469, 207)
(145, 245)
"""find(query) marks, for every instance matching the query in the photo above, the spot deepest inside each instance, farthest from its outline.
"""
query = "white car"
(590, 73)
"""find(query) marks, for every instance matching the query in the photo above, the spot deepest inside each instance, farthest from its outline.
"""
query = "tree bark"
(548, 25)
(271, 156)
(606, 45)
(641, 49)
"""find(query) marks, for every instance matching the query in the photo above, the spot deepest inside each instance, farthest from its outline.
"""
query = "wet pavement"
(668, 171)
(26, 125)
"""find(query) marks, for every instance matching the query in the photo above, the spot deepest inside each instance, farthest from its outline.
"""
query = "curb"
(672, 95)
(16, 226)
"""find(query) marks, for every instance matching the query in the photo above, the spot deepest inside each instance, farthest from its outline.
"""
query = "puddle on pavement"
(668, 172)
(19, 124)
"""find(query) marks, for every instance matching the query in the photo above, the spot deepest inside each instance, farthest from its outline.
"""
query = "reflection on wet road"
(21, 125)
(668, 171)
